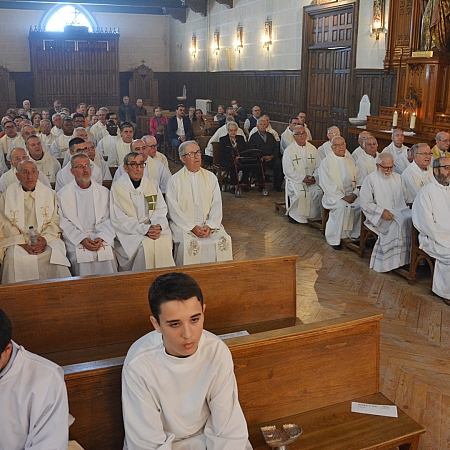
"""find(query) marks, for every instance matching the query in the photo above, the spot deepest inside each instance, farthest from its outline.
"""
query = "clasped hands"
(92, 245)
(201, 232)
(35, 249)
(154, 232)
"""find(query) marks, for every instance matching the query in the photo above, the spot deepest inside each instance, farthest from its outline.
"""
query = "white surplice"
(10, 177)
(365, 165)
(415, 178)
(84, 213)
(393, 150)
(337, 177)
(431, 217)
(65, 176)
(393, 246)
(302, 201)
(48, 165)
(132, 212)
(195, 199)
(60, 145)
(401, 161)
(107, 147)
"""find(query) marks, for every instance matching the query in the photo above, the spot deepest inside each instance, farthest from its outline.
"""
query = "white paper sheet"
(233, 335)
(375, 410)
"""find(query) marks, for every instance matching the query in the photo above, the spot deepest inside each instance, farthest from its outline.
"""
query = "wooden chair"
(417, 255)
(317, 142)
(320, 223)
(365, 235)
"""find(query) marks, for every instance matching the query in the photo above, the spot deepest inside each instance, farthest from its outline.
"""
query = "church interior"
(319, 57)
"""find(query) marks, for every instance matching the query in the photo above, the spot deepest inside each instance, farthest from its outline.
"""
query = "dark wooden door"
(327, 65)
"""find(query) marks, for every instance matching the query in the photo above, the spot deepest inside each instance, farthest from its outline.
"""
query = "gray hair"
(56, 114)
(260, 120)
(78, 156)
(329, 129)
(363, 144)
(395, 131)
(45, 120)
(416, 147)
(128, 156)
(20, 165)
(384, 157)
(436, 163)
(232, 124)
(184, 145)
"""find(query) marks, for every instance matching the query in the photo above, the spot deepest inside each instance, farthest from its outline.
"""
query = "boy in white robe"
(195, 210)
(337, 174)
(34, 412)
(419, 172)
(138, 214)
(382, 199)
(24, 205)
(87, 229)
(431, 216)
(303, 194)
(179, 390)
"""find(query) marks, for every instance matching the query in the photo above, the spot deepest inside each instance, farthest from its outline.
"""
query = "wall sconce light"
(377, 26)
(267, 34)
(193, 48)
(216, 42)
(238, 45)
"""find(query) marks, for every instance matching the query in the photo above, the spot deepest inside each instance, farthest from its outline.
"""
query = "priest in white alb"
(382, 200)
(139, 216)
(123, 145)
(303, 193)
(419, 172)
(195, 209)
(359, 151)
(46, 163)
(337, 175)
(60, 145)
(30, 244)
(366, 164)
(85, 223)
(431, 217)
(396, 146)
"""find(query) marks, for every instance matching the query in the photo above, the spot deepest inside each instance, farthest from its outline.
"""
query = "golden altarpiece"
(423, 77)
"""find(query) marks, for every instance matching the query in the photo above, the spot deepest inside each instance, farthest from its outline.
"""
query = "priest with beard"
(382, 200)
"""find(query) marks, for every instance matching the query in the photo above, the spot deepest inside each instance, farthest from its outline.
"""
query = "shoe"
(278, 189)
(232, 191)
(337, 247)
(291, 220)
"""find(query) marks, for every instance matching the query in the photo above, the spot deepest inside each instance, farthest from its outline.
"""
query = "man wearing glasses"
(195, 209)
(83, 207)
(154, 170)
(325, 149)
(300, 163)
(431, 216)
(440, 150)
(383, 202)
(419, 172)
(138, 214)
(10, 134)
(152, 145)
(65, 175)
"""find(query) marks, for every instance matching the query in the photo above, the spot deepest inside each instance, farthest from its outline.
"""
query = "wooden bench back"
(279, 373)
(90, 314)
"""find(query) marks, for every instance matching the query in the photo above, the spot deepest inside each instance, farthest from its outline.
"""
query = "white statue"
(364, 107)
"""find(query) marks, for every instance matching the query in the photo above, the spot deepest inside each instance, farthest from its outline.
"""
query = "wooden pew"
(96, 317)
(306, 374)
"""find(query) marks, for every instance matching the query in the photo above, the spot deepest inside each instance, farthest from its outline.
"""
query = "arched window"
(71, 14)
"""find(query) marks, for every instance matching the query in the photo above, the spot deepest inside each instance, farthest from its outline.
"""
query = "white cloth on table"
(195, 199)
(302, 201)
(393, 246)
(18, 211)
(365, 165)
(84, 213)
(172, 403)
(415, 178)
(431, 217)
(154, 170)
(337, 177)
(34, 411)
(10, 177)
(65, 176)
(132, 212)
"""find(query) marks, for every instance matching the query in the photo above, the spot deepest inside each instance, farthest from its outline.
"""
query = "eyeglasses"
(300, 134)
(425, 154)
(386, 167)
(135, 165)
(82, 167)
(10, 127)
(446, 141)
(342, 144)
(153, 146)
(193, 154)
(445, 167)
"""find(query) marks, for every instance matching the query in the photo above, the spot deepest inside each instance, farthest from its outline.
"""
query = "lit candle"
(394, 119)
(412, 122)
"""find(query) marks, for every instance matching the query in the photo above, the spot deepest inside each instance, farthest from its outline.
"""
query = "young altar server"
(179, 391)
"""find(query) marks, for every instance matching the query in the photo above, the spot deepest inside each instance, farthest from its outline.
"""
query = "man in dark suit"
(179, 127)
(266, 143)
